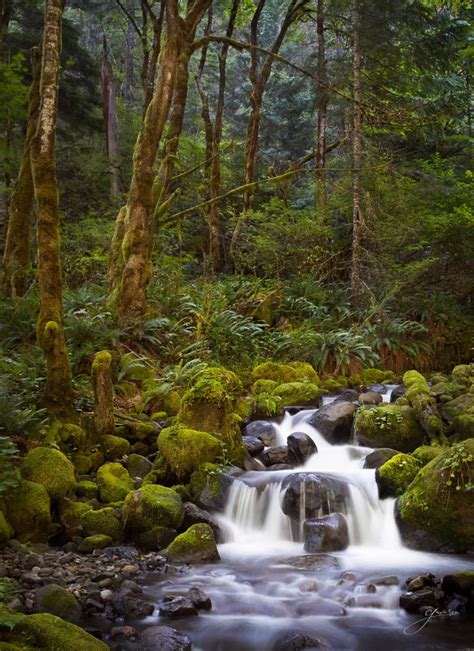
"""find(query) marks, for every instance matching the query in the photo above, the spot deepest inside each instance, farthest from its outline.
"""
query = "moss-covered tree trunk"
(58, 392)
(16, 256)
(102, 385)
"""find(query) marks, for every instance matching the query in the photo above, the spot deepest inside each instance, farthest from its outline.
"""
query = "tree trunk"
(127, 86)
(356, 282)
(16, 258)
(149, 73)
(109, 110)
(5, 16)
(58, 392)
(101, 376)
(322, 107)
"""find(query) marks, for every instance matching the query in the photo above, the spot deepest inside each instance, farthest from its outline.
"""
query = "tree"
(356, 283)
(109, 109)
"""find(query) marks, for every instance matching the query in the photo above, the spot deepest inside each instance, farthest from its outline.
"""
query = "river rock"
(261, 429)
(200, 599)
(327, 534)
(318, 607)
(300, 447)
(378, 457)
(347, 395)
(173, 607)
(370, 398)
(277, 454)
(398, 392)
(297, 642)
(312, 493)
(334, 421)
(56, 600)
(131, 606)
(421, 600)
(280, 466)
(314, 562)
(253, 444)
(194, 515)
(164, 638)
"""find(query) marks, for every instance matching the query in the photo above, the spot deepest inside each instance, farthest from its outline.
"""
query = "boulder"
(253, 444)
(370, 398)
(297, 642)
(424, 404)
(276, 455)
(91, 543)
(378, 457)
(51, 633)
(196, 545)
(377, 388)
(50, 468)
(200, 599)
(421, 600)
(300, 447)
(396, 474)
(114, 482)
(435, 513)
(309, 495)
(327, 534)
(298, 393)
(150, 512)
(334, 421)
(102, 521)
(426, 453)
(28, 511)
(210, 487)
(389, 426)
(314, 562)
(186, 450)
(194, 515)
(398, 392)
(115, 447)
(164, 638)
(138, 466)
(56, 600)
(347, 395)
(173, 607)
(261, 429)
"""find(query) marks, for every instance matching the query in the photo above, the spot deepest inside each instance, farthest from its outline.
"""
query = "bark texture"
(102, 385)
(58, 391)
(356, 282)
(109, 110)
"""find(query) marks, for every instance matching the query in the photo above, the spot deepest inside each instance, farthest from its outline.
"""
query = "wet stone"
(164, 638)
(300, 447)
(253, 444)
(314, 562)
(297, 642)
(174, 607)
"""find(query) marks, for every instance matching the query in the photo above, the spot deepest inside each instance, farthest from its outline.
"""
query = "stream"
(267, 586)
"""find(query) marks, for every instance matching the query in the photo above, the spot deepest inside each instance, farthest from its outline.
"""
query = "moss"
(354, 381)
(91, 543)
(196, 544)
(152, 506)
(376, 376)
(396, 474)
(115, 447)
(464, 426)
(185, 450)
(331, 385)
(102, 521)
(419, 396)
(156, 538)
(82, 463)
(462, 372)
(46, 632)
(56, 600)
(50, 468)
(464, 582)
(263, 386)
(435, 513)
(171, 403)
(143, 431)
(305, 372)
(6, 530)
(298, 393)
(102, 384)
(426, 453)
(70, 513)
(280, 373)
(9, 588)
(389, 426)
(96, 458)
(69, 433)
(159, 415)
(28, 511)
(183, 492)
(206, 476)
(114, 482)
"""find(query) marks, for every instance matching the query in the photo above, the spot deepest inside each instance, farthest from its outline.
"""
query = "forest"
(236, 325)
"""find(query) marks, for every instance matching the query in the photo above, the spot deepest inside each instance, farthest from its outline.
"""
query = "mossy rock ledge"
(396, 474)
(436, 512)
(389, 426)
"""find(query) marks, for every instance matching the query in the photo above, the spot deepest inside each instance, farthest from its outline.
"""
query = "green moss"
(305, 372)
(464, 426)
(331, 385)
(206, 476)
(91, 543)
(298, 393)
(28, 511)
(69, 433)
(419, 396)
(426, 453)
(114, 482)
(50, 468)
(96, 458)
(143, 431)
(70, 513)
(6, 530)
(159, 415)
(437, 507)
(197, 544)
(151, 506)
(171, 403)
(185, 450)
(87, 489)
(45, 632)
(280, 373)
(462, 371)
(82, 463)
(154, 539)
(56, 600)
(389, 426)
(263, 386)
(354, 381)
(115, 447)
(376, 376)
(9, 588)
(103, 521)
(396, 474)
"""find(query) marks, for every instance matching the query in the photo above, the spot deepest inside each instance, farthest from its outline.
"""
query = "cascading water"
(266, 587)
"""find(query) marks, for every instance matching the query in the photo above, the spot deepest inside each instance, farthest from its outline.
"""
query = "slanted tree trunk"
(101, 376)
(322, 102)
(109, 110)
(16, 257)
(356, 282)
(58, 392)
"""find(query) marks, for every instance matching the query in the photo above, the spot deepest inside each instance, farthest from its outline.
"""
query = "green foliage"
(456, 468)
(9, 475)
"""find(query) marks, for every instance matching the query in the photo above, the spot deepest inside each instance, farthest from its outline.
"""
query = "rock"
(50, 468)
(131, 606)
(318, 607)
(386, 580)
(28, 511)
(377, 388)
(389, 426)
(280, 466)
(314, 562)
(421, 581)
(416, 602)
(56, 600)
(370, 398)
(87, 489)
(426, 453)
(91, 543)
(378, 457)
(173, 607)
(6, 530)
(261, 429)
(194, 515)
(398, 392)
(164, 638)
(150, 509)
(396, 474)
(347, 395)
(327, 534)
(272, 456)
(424, 404)
(195, 545)
(297, 642)
(102, 521)
(251, 463)
(114, 482)
(200, 599)
(300, 447)
(186, 450)
(253, 444)
(316, 492)
(115, 447)
(334, 421)
(138, 466)
(371, 376)
(460, 583)
(210, 486)
(435, 513)
(298, 393)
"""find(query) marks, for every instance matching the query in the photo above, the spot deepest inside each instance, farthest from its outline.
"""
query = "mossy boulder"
(56, 600)
(114, 482)
(209, 487)
(50, 468)
(435, 513)
(29, 512)
(154, 539)
(279, 373)
(6, 530)
(396, 474)
(115, 447)
(82, 463)
(87, 488)
(263, 386)
(459, 412)
(143, 431)
(389, 426)
(152, 506)
(45, 632)
(138, 465)
(426, 453)
(376, 376)
(66, 433)
(70, 513)
(298, 393)
(419, 396)
(195, 545)
(185, 450)
(91, 543)
(102, 521)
